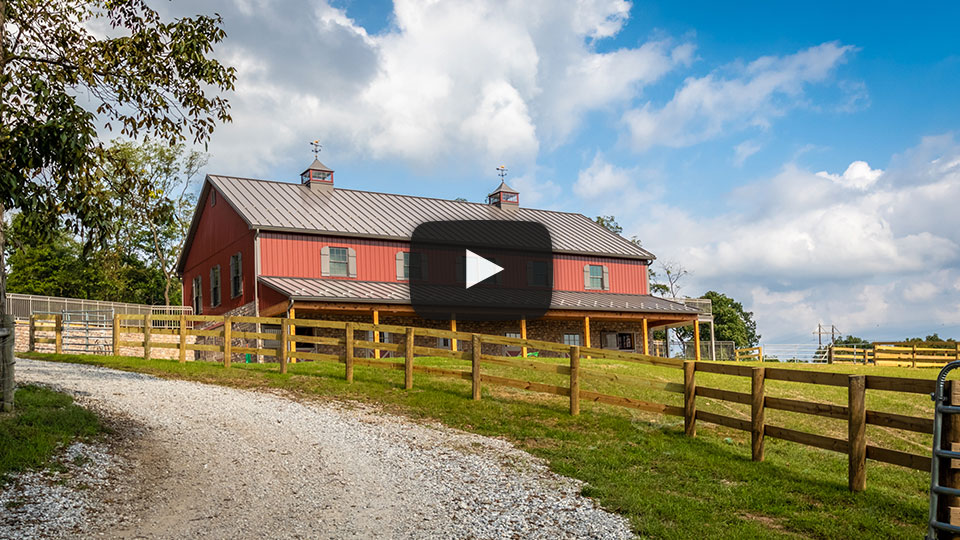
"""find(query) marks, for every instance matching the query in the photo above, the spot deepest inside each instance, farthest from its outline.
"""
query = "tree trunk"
(6, 360)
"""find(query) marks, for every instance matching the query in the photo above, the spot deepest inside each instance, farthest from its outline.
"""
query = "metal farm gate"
(87, 331)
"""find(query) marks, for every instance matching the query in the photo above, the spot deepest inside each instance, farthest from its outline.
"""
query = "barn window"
(213, 197)
(537, 274)
(197, 295)
(596, 277)
(572, 339)
(409, 266)
(236, 275)
(215, 286)
(339, 262)
(618, 340)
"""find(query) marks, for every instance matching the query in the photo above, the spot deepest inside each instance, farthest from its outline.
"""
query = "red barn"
(310, 250)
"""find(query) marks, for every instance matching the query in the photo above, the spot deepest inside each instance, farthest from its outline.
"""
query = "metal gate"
(943, 405)
(87, 331)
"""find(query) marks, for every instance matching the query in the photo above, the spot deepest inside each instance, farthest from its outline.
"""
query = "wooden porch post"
(646, 337)
(453, 328)
(376, 333)
(523, 335)
(586, 331)
(696, 340)
(293, 335)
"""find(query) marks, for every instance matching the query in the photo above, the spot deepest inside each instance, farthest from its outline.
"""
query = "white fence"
(21, 306)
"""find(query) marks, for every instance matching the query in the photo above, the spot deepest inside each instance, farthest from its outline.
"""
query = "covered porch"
(601, 320)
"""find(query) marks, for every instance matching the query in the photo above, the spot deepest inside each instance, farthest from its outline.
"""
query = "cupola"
(504, 196)
(318, 176)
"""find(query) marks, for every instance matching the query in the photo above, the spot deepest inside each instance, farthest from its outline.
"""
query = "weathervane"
(502, 172)
(317, 147)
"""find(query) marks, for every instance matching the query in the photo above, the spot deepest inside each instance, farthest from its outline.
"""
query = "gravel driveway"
(218, 462)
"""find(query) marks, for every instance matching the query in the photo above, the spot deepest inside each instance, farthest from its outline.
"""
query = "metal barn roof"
(284, 206)
(333, 290)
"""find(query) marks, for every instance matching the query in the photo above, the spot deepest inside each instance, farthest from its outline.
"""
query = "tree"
(59, 266)
(851, 341)
(151, 78)
(731, 322)
(158, 206)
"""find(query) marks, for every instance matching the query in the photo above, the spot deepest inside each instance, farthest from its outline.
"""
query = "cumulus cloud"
(750, 95)
(858, 175)
(867, 250)
(446, 84)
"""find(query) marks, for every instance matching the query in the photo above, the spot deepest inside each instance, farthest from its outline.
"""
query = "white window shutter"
(325, 261)
(586, 276)
(351, 262)
(400, 276)
(606, 278)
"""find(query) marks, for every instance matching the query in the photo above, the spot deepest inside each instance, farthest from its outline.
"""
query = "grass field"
(43, 421)
(640, 464)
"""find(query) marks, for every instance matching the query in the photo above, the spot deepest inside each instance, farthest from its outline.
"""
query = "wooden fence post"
(58, 333)
(284, 340)
(756, 413)
(33, 333)
(408, 344)
(116, 335)
(475, 357)
(227, 341)
(949, 475)
(857, 434)
(183, 338)
(348, 352)
(913, 362)
(147, 330)
(689, 398)
(574, 380)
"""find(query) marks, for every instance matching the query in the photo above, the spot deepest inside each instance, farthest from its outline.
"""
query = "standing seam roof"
(287, 206)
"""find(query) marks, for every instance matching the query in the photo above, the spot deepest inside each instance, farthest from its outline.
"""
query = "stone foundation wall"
(246, 310)
(544, 330)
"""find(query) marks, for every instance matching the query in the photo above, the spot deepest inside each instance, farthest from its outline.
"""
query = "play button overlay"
(480, 270)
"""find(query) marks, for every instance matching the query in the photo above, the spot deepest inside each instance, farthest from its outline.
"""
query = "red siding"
(627, 276)
(221, 232)
(269, 296)
(298, 255)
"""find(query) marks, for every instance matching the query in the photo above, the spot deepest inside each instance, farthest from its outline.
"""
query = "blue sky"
(803, 158)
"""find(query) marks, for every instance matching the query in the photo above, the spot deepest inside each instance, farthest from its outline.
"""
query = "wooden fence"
(575, 370)
(750, 353)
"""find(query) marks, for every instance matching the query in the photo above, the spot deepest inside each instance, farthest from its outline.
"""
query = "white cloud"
(920, 291)
(858, 175)
(744, 150)
(602, 179)
(801, 248)
(445, 85)
(755, 94)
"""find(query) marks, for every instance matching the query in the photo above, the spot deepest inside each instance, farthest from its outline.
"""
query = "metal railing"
(703, 304)
(21, 306)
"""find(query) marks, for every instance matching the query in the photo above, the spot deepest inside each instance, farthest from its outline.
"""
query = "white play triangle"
(479, 269)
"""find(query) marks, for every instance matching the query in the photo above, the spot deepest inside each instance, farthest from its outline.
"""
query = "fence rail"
(573, 370)
(22, 306)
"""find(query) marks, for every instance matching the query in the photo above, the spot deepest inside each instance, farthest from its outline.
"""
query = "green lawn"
(640, 464)
(43, 421)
